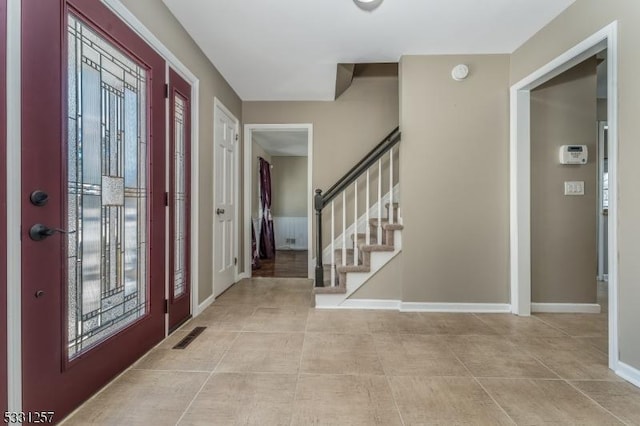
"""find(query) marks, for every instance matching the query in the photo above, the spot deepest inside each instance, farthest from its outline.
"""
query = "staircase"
(371, 240)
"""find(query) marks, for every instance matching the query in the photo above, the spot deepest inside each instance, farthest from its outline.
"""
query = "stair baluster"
(333, 249)
(344, 228)
(379, 230)
(390, 211)
(355, 224)
(367, 230)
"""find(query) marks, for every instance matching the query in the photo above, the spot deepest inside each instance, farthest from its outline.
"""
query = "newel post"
(318, 205)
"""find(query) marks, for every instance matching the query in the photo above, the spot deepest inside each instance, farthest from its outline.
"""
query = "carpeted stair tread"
(363, 237)
(393, 227)
(376, 247)
(352, 268)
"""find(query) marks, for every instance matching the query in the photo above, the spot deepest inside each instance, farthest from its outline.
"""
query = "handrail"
(372, 156)
(320, 200)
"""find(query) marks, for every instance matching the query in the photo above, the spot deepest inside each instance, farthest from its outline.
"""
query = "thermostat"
(573, 154)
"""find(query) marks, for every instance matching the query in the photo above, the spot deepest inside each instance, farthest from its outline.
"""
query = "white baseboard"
(456, 307)
(242, 276)
(370, 304)
(204, 305)
(629, 373)
(398, 305)
(566, 308)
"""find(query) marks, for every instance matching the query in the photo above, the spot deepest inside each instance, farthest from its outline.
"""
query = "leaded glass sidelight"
(107, 196)
(180, 207)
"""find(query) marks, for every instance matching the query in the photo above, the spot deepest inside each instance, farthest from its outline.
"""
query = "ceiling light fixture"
(368, 5)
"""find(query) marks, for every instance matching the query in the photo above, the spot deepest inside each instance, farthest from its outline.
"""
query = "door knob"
(39, 198)
(39, 232)
(219, 211)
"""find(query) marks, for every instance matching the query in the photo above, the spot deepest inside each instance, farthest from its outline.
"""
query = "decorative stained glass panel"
(107, 196)
(180, 208)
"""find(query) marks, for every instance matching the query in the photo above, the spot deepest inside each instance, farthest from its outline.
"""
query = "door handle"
(219, 211)
(39, 232)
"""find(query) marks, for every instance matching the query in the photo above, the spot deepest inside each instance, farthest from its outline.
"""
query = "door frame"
(219, 107)
(120, 10)
(3, 207)
(172, 88)
(520, 179)
(14, 211)
(602, 245)
(248, 189)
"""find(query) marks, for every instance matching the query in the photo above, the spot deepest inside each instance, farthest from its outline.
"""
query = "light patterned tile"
(344, 400)
(620, 398)
(263, 353)
(203, 354)
(141, 397)
(243, 399)
(417, 355)
(340, 354)
(534, 402)
(508, 324)
(277, 319)
(445, 401)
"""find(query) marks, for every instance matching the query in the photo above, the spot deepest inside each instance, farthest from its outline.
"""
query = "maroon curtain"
(255, 257)
(267, 239)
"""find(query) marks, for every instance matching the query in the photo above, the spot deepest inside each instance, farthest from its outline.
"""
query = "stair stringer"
(355, 280)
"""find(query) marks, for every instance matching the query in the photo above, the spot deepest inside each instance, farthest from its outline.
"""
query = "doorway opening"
(278, 197)
(565, 169)
(521, 187)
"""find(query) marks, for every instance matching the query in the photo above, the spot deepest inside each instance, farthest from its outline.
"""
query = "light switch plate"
(574, 188)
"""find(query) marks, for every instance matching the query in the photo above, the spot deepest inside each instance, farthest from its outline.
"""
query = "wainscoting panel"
(291, 233)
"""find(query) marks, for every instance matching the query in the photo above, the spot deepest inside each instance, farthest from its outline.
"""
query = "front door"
(93, 214)
(225, 132)
(179, 200)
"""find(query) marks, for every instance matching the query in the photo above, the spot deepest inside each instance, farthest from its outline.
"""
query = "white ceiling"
(282, 143)
(288, 49)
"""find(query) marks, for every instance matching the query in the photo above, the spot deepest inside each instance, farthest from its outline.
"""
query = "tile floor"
(266, 358)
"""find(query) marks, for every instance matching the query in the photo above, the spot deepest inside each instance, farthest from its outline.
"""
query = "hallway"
(285, 264)
(267, 358)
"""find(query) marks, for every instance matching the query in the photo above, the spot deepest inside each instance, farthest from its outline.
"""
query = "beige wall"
(343, 130)
(256, 151)
(157, 18)
(289, 184)
(578, 22)
(563, 228)
(454, 167)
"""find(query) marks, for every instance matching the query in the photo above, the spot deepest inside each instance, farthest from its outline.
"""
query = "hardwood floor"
(287, 264)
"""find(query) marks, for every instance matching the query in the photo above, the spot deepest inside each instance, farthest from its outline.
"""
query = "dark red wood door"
(93, 214)
(3, 207)
(179, 200)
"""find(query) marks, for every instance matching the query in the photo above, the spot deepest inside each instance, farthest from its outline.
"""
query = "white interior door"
(225, 141)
